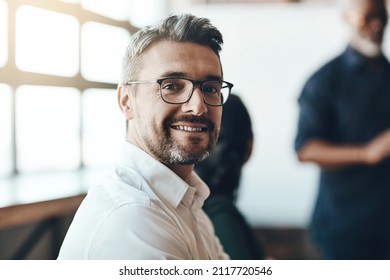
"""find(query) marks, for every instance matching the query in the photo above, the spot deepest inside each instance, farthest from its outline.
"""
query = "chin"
(367, 47)
(186, 159)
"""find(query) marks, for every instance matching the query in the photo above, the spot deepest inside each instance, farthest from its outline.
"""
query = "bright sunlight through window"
(47, 128)
(3, 33)
(104, 127)
(58, 108)
(5, 130)
(102, 49)
(47, 42)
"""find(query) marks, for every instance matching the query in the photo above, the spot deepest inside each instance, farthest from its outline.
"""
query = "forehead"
(368, 6)
(193, 60)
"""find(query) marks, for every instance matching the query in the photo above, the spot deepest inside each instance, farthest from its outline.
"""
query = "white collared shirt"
(143, 210)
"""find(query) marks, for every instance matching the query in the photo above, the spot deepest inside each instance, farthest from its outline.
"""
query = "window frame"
(14, 77)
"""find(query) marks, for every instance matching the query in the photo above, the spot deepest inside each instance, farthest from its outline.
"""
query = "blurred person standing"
(344, 128)
(221, 171)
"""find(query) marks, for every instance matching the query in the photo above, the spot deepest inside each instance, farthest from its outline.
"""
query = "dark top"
(236, 235)
(221, 171)
(347, 101)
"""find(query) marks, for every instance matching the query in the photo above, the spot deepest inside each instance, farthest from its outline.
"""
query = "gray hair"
(176, 28)
(347, 5)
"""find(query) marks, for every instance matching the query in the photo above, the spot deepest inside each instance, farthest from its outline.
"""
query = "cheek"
(216, 117)
(364, 31)
(155, 116)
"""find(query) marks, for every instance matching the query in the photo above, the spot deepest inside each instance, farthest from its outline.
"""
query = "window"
(104, 127)
(5, 130)
(58, 82)
(47, 128)
(102, 50)
(3, 33)
(46, 42)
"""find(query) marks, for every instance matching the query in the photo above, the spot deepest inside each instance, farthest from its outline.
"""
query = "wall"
(269, 52)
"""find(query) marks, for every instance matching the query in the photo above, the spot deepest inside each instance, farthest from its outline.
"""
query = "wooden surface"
(17, 215)
(287, 243)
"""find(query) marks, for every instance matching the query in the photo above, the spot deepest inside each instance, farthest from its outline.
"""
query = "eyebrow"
(185, 75)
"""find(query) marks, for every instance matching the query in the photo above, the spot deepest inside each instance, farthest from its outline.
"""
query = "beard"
(366, 46)
(169, 151)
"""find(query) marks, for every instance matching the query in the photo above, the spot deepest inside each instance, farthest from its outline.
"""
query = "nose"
(377, 28)
(377, 24)
(195, 104)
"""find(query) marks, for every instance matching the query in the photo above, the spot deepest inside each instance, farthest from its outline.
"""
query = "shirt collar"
(357, 60)
(198, 192)
(166, 184)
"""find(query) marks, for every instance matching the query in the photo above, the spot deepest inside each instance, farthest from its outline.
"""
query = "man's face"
(369, 19)
(174, 133)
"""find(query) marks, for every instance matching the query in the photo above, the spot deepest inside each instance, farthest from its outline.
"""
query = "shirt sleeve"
(315, 116)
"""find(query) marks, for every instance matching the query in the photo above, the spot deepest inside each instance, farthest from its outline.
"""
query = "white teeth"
(187, 128)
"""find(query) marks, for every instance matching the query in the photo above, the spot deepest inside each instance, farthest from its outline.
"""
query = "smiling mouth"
(189, 128)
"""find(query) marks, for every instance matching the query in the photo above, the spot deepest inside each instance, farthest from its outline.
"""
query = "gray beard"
(172, 154)
(366, 47)
(167, 151)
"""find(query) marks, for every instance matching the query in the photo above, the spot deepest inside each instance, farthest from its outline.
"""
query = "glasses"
(179, 90)
(365, 19)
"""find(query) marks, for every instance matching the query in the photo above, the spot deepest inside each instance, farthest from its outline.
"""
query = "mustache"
(192, 119)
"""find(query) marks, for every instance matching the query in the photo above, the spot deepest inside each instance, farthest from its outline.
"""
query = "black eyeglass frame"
(194, 83)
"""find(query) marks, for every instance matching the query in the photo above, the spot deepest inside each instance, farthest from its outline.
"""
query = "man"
(171, 95)
(344, 127)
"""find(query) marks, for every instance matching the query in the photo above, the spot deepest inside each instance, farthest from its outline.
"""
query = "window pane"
(47, 42)
(118, 9)
(5, 130)
(47, 128)
(104, 127)
(3, 33)
(102, 49)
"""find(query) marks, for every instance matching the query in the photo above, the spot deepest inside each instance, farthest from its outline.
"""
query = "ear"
(124, 101)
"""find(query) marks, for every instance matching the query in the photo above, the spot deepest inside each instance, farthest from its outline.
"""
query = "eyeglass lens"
(180, 90)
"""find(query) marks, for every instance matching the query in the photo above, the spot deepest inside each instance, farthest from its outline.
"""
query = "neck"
(183, 171)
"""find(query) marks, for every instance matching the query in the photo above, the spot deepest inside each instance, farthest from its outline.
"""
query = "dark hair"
(221, 171)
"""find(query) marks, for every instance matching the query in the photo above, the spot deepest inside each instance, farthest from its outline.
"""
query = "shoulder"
(107, 227)
(118, 220)
(324, 81)
(220, 206)
(136, 231)
(326, 73)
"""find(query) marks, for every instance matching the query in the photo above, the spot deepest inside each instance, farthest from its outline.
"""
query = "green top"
(237, 237)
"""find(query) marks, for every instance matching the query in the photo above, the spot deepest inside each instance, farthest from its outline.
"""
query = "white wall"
(269, 52)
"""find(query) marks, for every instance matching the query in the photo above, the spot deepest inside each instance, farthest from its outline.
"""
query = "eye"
(170, 86)
(209, 90)
(211, 87)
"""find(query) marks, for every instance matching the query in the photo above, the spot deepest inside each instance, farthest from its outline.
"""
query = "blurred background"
(61, 128)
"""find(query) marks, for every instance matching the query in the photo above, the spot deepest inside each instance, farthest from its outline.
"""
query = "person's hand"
(378, 149)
